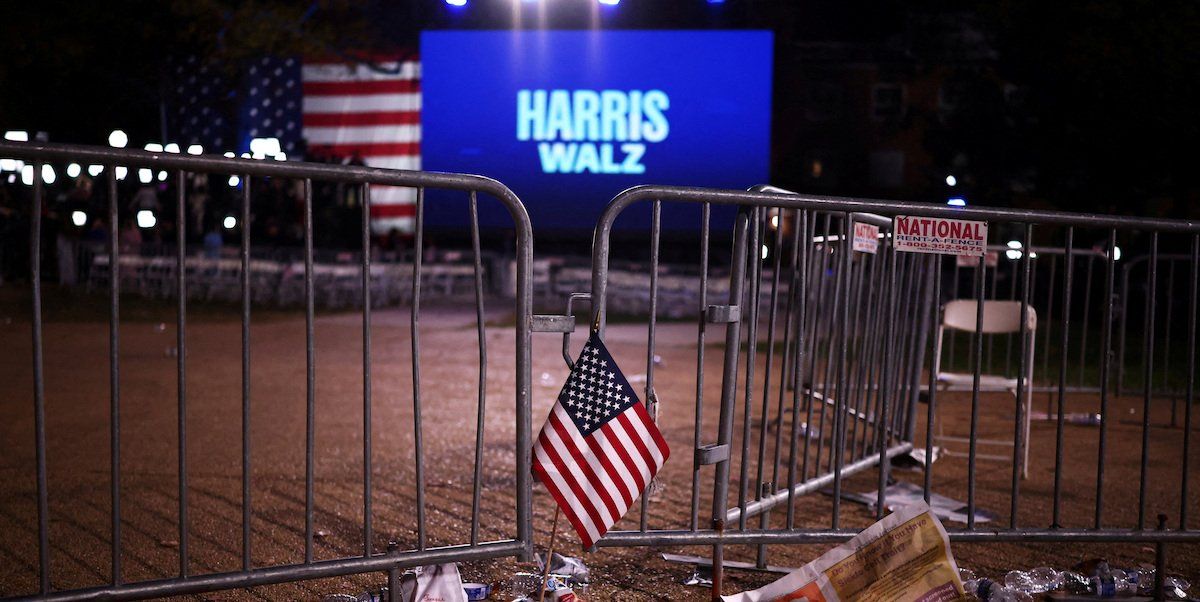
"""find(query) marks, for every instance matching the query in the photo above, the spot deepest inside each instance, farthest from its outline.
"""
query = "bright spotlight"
(16, 136)
(122, 172)
(1014, 244)
(610, 2)
(456, 2)
(171, 148)
(118, 139)
(1012, 254)
(764, 251)
(154, 147)
(230, 222)
(951, 181)
(145, 218)
(145, 176)
(234, 181)
(957, 202)
(229, 154)
(48, 175)
(775, 221)
(11, 165)
(195, 149)
(95, 170)
(27, 175)
(162, 176)
(73, 170)
(1116, 253)
(78, 218)
(262, 148)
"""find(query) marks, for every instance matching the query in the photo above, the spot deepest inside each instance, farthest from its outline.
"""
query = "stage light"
(145, 176)
(73, 170)
(764, 251)
(162, 176)
(1014, 244)
(195, 149)
(1116, 253)
(27, 175)
(610, 2)
(118, 139)
(456, 2)
(716, 1)
(16, 136)
(78, 218)
(957, 202)
(146, 219)
(154, 147)
(281, 156)
(48, 175)
(122, 172)
(265, 147)
(11, 165)
(95, 170)
(951, 181)
(234, 181)
(230, 222)
(171, 148)
(229, 155)
(1012, 254)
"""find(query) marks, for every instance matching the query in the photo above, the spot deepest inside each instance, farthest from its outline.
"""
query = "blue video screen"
(567, 119)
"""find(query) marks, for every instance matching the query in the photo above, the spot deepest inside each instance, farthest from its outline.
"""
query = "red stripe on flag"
(573, 484)
(590, 474)
(636, 437)
(619, 447)
(360, 87)
(653, 430)
(353, 119)
(391, 210)
(371, 149)
(540, 472)
(602, 455)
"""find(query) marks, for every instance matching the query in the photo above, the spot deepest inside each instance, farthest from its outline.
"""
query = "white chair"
(999, 317)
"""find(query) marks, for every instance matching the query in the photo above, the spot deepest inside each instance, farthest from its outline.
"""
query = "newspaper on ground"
(901, 494)
(904, 557)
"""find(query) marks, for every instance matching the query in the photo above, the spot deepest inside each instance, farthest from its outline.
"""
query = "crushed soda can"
(701, 577)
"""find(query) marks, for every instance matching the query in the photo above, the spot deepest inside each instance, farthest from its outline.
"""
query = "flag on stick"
(599, 448)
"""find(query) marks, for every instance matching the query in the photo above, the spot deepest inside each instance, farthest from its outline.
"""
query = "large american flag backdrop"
(344, 111)
(371, 113)
(599, 448)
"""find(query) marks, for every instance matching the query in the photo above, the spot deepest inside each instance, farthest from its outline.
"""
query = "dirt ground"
(77, 431)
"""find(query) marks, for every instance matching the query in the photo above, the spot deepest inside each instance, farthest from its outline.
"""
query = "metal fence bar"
(310, 374)
(415, 327)
(801, 294)
(114, 374)
(701, 327)
(977, 370)
(1105, 369)
(246, 492)
(181, 365)
(39, 384)
(651, 398)
(750, 314)
(935, 327)
(1020, 461)
(839, 435)
(481, 334)
(1148, 362)
(365, 205)
(1064, 344)
(1191, 383)
(881, 417)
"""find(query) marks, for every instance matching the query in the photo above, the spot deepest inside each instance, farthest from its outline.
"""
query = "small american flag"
(599, 448)
(372, 114)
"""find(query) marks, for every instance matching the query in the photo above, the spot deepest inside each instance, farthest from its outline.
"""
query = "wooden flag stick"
(549, 553)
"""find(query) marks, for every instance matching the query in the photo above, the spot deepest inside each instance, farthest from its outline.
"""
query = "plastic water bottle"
(1114, 584)
(990, 591)
(1036, 581)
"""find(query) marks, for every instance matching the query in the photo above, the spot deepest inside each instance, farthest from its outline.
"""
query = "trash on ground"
(904, 494)
(1088, 580)
(915, 459)
(436, 582)
(905, 556)
(570, 567)
(701, 577)
(477, 591)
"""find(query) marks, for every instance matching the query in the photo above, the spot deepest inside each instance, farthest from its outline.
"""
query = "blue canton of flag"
(271, 103)
(198, 106)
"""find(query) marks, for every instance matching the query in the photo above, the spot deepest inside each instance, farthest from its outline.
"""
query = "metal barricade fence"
(371, 559)
(857, 339)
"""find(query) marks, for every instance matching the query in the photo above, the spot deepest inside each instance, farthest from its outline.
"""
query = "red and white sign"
(866, 237)
(939, 235)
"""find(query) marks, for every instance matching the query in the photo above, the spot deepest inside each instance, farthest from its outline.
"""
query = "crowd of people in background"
(75, 215)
